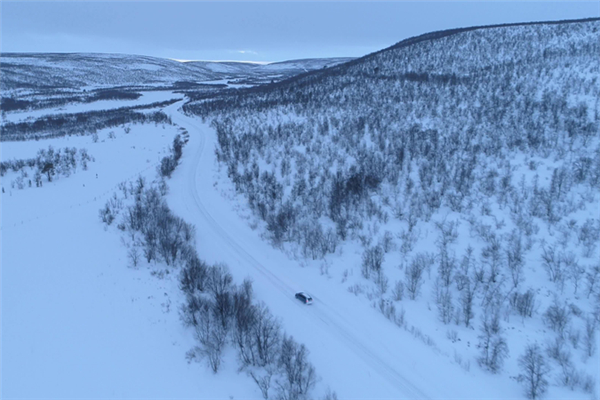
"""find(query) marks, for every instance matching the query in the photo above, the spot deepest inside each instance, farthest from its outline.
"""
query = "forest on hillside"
(488, 137)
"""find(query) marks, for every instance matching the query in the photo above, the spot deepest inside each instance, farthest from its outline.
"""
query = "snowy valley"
(438, 199)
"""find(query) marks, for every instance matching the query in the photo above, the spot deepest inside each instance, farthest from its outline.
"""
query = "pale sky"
(251, 31)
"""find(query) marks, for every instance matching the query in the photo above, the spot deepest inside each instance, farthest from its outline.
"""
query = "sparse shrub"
(398, 291)
(466, 304)
(167, 166)
(445, 305)
(194, 276)
(557, 317)
(330, 395)
(177, 148)
(387, 242)
(552, 263)
(523, 303)
(588, 236)
(106, 214)
(413, 275)
(592, 278)
(452, 335)
(372, 260)
(356, 289)
(134, 256)
(589, 337)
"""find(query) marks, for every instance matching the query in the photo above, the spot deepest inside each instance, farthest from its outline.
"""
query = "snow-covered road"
(355, 350)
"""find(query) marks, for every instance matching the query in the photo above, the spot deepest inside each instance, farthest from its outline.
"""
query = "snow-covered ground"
(78, 323)
(355, 350)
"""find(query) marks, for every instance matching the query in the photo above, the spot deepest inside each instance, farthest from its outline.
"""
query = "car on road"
(304, 297)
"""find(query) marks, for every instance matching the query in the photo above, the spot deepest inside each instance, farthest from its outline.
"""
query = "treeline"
(221, 312)
(47, 165)
(83, 123)
(14, 104)
(169, 163)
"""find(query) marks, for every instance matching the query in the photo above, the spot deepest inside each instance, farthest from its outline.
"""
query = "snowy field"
(76, 322)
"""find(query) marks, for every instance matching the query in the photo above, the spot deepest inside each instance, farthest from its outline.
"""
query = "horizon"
(252, 32)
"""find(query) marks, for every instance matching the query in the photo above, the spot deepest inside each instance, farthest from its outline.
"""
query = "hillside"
(451, 180)
(83, 70)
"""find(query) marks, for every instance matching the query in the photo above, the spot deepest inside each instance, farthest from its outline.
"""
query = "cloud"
(248, 52)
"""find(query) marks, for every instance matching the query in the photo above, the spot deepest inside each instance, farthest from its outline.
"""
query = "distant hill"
(81, 70)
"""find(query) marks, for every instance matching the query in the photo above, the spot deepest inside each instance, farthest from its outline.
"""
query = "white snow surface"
(78, 323)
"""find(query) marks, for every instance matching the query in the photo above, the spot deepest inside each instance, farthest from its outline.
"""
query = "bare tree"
(263, 380)
(382, 282)
(589, 337)
(398, 291)
(134, 256)
(557, 317)
(106, 214)
(443, 300)
(572, 269)
(267, 335)
(592, 278)
(193, 275)
(523, 303)
(299, 375)
(244, 322)
(448, 232)
(446, 267)
(492, 345)
(466, 303)
(330, 395)
(219, 279)
(492, 256)
(448, 235)
(372, 260)
(210, 335)
(387, 242)
(588, 236)
(413, 276)
(552, 263)
(514, 258)
(534, 372)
